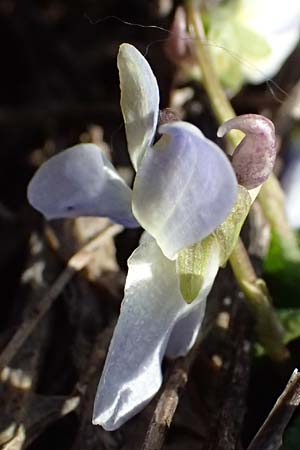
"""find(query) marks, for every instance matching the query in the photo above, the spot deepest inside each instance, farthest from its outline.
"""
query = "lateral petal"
(184, 188)
(81, 181)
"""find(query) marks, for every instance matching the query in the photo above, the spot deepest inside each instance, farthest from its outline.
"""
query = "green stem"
(271, 199)
(268, 328)
(241, 264)
(220, 105)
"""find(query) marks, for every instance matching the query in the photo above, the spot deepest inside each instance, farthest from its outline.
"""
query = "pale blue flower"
(184, 189)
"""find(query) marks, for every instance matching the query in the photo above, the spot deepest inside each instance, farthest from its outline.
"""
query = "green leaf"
(290, 319)
(282, 272)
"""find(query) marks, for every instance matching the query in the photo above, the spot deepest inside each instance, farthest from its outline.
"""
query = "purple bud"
(178, 46)
(253, 159)
(167, 115)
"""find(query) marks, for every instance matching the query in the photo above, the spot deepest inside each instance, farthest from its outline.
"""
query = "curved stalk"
(269, 329)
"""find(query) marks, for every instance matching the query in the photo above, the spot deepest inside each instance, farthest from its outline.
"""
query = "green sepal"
(228, 232)
(191, 265)
(192, 261)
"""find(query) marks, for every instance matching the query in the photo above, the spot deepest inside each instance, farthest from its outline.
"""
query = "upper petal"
(151, 309)
(81, 181)
(184, 188)
(139, 101)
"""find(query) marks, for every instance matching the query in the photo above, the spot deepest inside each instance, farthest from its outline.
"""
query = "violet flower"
(184, 189)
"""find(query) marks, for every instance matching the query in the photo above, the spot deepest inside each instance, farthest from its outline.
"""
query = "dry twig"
(269, 437)
(75, 264)
(88, 435)
(168, 401)
(233, 379)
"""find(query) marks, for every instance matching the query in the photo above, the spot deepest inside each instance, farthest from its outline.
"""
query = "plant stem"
(220, 105)
(268, 328)
(271, 199)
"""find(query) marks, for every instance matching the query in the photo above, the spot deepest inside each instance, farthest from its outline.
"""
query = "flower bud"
(253, 159)
(167, 115)
(178, 46)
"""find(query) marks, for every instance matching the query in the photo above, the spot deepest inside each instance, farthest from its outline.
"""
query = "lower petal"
(185, 331)
(151, 313)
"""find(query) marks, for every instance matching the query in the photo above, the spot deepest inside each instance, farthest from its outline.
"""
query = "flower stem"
(220, 105)
(271, 199)
(269, 329)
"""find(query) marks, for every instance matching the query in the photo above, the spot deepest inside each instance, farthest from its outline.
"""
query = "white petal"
(184, 188)
(186, 330)
(81, 181)
(279, 24)
(152, 307)
(267, 16)
(139, 101)
(281, 44)
(291, 185)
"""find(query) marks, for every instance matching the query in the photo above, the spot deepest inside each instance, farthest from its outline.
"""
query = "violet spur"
(254, 158)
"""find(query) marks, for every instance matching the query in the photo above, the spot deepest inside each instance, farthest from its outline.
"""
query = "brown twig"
(168, 401)
(75, 264)
(232, 379)
(169, 398)
(89, 436)
(166, 407)
(269, 437)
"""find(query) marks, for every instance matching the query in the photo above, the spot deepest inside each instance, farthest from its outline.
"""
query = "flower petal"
(139, 101)
(81, 181)
(279, 24)
(151, 309)
(184, 188)
(291, 185)
(186, 330)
